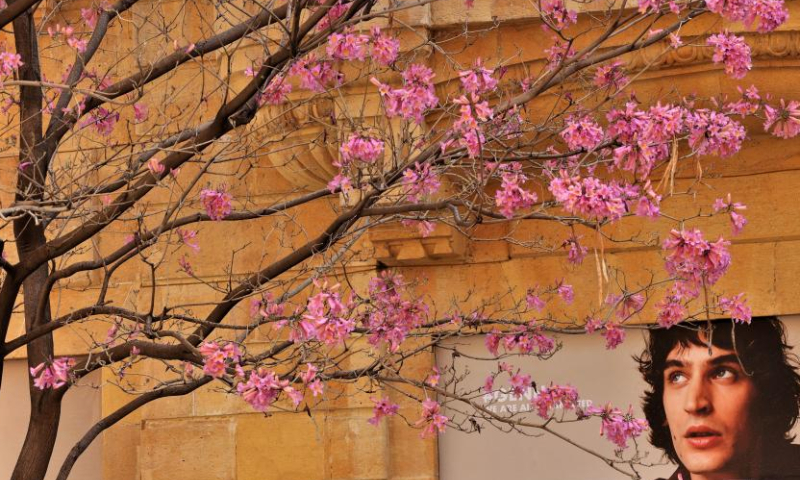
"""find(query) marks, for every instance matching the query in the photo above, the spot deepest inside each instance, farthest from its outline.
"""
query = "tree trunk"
(30, 237)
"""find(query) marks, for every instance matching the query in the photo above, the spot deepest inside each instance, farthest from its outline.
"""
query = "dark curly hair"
(762, 349)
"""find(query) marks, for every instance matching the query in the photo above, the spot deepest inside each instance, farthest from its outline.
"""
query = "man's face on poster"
(708, 403)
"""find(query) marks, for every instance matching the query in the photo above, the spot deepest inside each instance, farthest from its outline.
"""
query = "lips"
(702, 437)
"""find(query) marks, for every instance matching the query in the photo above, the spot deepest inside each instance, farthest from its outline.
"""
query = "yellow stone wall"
(210, 435)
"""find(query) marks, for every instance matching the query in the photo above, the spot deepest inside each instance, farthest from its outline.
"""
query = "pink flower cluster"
(384, 47)
(102, 120)
(360, 148)
(347, 45)
(315, 75)
(420, 181)
(770, 14)
(591, 197)
(575, 251)
(391, 317)
(714, 133)
(217, 358)
(582, 133)
(414, 99)
(276, 91)
(511, 197)
(671, 309)
(524, 339)
(432, 418)
(520, 383)
(334, 13)
(611, 331)
(737, 219)
(55, 375)
(557, 16)
(310, 380)
(189, 238)
(618, 427)
(216, 202)
(733, 52)
(611, 76)
(693, 259)
(9, 62)
(382, 408)
(645, 135)
(549, 398)
(69, 34)
(559, 52)
(784, 121)
(736, 307)
(478, 80)
(626, 305)
(263, 387)
(473, 110)
(326, 318)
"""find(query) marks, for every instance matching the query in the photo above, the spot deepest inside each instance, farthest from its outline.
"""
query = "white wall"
(599, 375)
(81, 409)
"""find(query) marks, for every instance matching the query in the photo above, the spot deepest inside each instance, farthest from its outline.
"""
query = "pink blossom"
(414, 99)
(593, 324)
(262, 389)
(613, 334)
(424, 227)
(189, 238)
(575, 251)
(591, 197)
(217, 203)
(611, 76)
(316, 387)
(340, 183)
(155, 166)
(559, 52)
(334, 13)
(433, 420)
(55, 375)
(276, 91)
(736, 307)
(183, 262)
(534, 301)
(102, 120)
(693, 258)
(675, 40)
(737, 220)
(433, 378)
(511, 197)
(382, 408)
(347, 46)
(393, 316)
(217, 358)
(315, 75)
(784, 121)
(671, 311)
(488, 384)
(360, 148)
(733, 52)
(554, 396)
(626, 305)
(384, 47)
(520, 384)
(267, 307)
(714, 133)
(557, 16)
(140, 112)
(9, 62)
(420, 181)
(326, 317)
(618, 427)
(478, 80)
(89, 16)
(582, 133)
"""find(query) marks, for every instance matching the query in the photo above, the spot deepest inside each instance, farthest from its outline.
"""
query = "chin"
(704, 463)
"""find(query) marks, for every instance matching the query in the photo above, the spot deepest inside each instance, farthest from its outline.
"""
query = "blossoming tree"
(140, 136)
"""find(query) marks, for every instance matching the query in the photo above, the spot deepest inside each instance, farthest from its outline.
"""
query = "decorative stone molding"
(397, 245)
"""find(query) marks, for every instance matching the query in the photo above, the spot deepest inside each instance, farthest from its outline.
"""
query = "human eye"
(676, 377)
(724, 373)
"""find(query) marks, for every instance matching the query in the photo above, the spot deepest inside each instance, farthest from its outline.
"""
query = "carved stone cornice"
(397, 245)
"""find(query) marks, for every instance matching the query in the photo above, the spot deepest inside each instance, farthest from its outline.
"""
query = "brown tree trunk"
(30, 237)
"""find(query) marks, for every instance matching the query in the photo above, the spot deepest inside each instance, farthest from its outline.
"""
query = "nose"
(698, 397)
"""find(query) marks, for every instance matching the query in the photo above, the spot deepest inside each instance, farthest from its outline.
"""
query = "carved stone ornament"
(397, 245)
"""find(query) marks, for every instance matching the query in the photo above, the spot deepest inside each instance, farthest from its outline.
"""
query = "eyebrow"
(720, 360)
